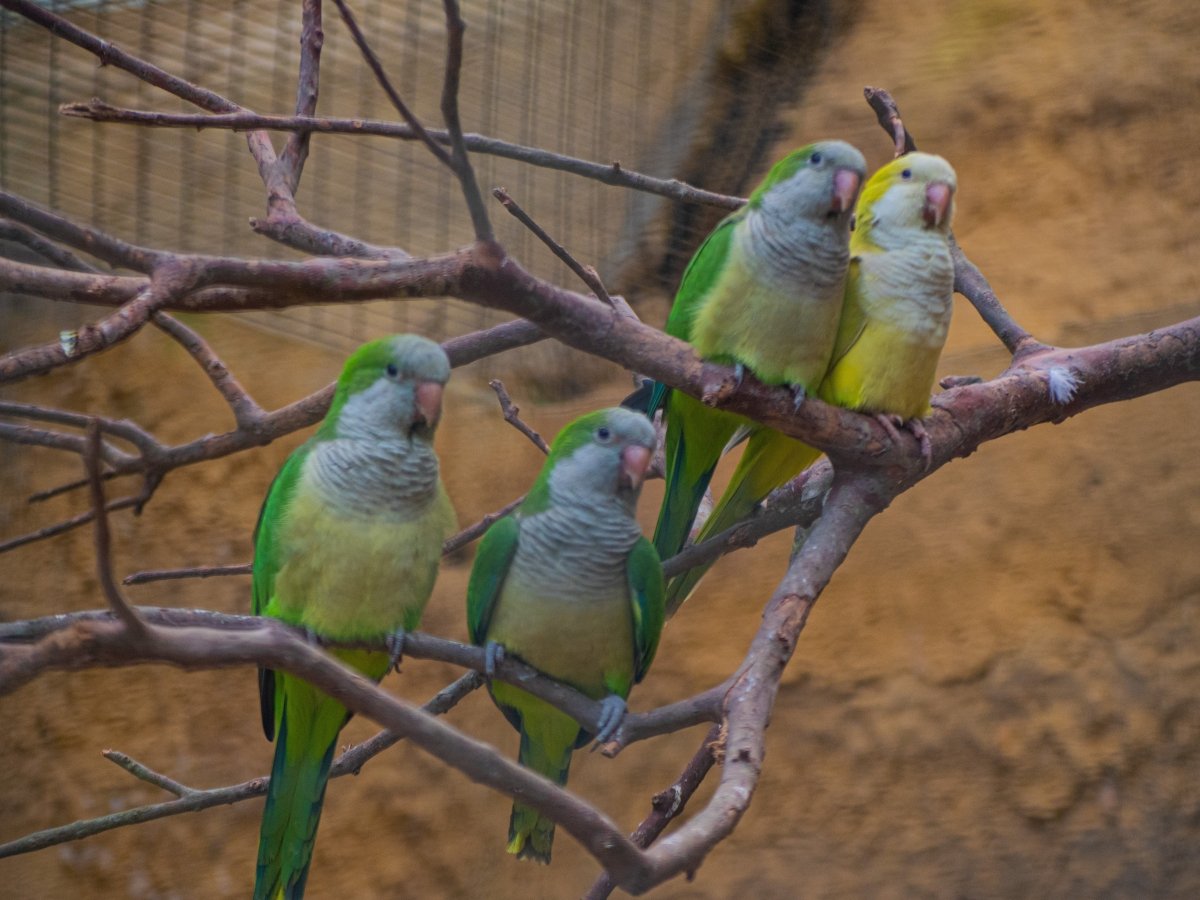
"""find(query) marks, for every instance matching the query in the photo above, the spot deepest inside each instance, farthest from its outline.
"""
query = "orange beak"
(635, 459)
(429, 402)
(937, 204)
(845, 190)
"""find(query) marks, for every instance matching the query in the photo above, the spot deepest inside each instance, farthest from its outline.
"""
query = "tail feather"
(530, 834)
(304, 750)
(695, 437)
(770, 459)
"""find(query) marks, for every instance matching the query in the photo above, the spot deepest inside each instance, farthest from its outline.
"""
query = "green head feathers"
(817, 179)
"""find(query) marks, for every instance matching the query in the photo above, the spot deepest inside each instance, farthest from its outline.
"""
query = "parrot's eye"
(603, 434)
(815, 159)
(392, 370)
(906, 174)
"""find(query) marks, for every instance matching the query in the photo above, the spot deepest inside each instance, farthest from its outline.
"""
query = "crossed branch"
(833, 501)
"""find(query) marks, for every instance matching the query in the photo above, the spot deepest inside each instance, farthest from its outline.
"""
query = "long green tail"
(770, 459)
(530, 835)
(307, 736)
(696, 436)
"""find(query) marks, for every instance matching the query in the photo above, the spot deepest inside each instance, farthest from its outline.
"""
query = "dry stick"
(381, 76)
(120, 428)
(57, 440)
(587, 274)
(149, 575)
(91, 461)
(49, 493)
(512, 415)
(145, 773)
(460, 162)
(888, 115)
(58, 256)
(246, 413)
(350, 762)
(612, 174)
(668, 804)
(68, 524)
(312, 38)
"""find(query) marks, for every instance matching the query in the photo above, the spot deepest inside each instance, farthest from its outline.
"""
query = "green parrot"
(347, 547)
(763, 292)
(569, 585)
(899, 294)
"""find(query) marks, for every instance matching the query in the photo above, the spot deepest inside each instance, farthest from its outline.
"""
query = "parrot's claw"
(612, 711)
(493, 655)
(395, 645)
(922, 436)
(739, 375)
(891, 425)
(799, 395)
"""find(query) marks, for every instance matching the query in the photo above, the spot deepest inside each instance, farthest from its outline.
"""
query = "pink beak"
(845, 190)
(937, 204)
(635, 459)
(429, 402)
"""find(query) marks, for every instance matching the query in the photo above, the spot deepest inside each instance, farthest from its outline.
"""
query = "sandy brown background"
(996, 697)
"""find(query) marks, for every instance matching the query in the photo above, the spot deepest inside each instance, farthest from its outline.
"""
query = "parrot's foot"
(395, 645)
(612, 711)
(953, 381)
(739, 374)
(493, 655)
(799, 395)
(891, 425)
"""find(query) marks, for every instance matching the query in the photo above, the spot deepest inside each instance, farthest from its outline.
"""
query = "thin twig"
(586, 274)
(384, 82)
(312, 38)
(888, 114)
(606, 173)
(149, 575)
(51, 252)
(350, 762)
(471, 532)
(247, 413)
(512, 415)
(668, 804)
(460, 161)
(118, 603)
(145, 773)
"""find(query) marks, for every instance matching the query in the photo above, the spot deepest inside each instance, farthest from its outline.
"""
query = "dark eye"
(906, 174)
(815, 159)
(603, 434)
(392, 370)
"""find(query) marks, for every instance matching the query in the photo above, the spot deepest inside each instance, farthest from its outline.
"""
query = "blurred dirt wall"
(997, 695)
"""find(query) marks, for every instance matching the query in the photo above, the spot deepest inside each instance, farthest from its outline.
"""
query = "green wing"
(268, 559)
(698, 279)
(648, 598)
(492, 561)
(853, 320)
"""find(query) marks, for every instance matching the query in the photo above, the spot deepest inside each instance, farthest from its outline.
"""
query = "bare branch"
(312, 37)
(512, 415)
(460, 162)
(477, 530)
(192, 572)
(668, 804)
(146, 774)
(611, 174)
(349, 763)
(888, 115)
(57, 256)
(246, 412)
(587, 275)
(118, 603)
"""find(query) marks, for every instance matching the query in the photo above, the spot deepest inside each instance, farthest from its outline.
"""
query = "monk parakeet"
(347, 547)
(569, 585)
(898, 292)
(764, 293)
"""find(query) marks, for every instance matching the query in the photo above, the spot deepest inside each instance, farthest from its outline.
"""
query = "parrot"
(894, 319)
(347, 547)
(764, 293)
(569, 585)
(899, 294)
